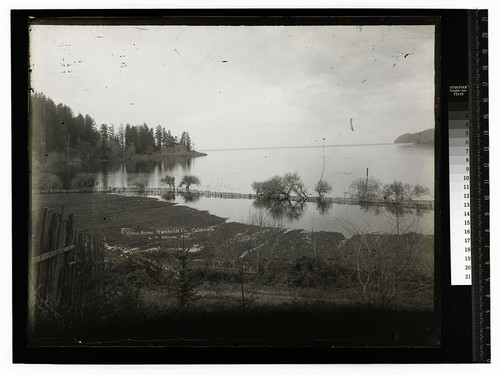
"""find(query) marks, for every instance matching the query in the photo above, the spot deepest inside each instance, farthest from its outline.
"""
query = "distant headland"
(425, 137)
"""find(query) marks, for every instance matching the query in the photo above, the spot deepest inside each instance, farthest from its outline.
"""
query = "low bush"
(47, 181)
(84, 181)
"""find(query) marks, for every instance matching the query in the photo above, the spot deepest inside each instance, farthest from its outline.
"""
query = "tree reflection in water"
(400, 219)
(282, 208)
(323, 206)
(189, 197)
(393, 209)
(169, 197)
(148, 166)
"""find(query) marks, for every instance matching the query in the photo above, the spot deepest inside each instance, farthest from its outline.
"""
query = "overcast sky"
(242, 86)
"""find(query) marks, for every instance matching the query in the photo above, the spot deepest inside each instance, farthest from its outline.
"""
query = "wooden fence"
(66, 268)
(416, 203)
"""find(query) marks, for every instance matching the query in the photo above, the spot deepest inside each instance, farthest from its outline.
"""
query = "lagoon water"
(235, 170)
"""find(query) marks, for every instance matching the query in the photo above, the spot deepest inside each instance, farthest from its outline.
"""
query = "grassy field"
(377, 287)
(108, 214)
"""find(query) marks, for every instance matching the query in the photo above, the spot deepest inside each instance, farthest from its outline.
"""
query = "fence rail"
(45, 256)
(416, 203)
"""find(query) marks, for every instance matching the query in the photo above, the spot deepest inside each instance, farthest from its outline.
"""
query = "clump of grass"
(47, 181)
(84, 181)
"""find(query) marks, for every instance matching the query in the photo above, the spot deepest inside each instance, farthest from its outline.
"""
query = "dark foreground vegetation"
(313, 325)
(242, 284)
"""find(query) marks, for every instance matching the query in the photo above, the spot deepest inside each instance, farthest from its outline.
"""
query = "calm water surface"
(235, 170)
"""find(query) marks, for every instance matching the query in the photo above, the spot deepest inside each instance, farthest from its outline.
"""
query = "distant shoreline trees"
(59, 136)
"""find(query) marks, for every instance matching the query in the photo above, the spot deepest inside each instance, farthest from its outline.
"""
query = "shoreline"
(281, 271)
(424, 204)
(181, 208)
(137, 157)
(108, 214)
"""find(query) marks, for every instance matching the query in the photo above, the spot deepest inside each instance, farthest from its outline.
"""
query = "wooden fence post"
(66, 267)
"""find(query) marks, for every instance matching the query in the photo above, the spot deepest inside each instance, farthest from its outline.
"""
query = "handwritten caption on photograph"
(165, 233)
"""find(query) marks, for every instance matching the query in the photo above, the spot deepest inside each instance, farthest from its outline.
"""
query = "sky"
(243, 86)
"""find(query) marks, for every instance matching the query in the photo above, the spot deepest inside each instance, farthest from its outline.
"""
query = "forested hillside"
(58, 136)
